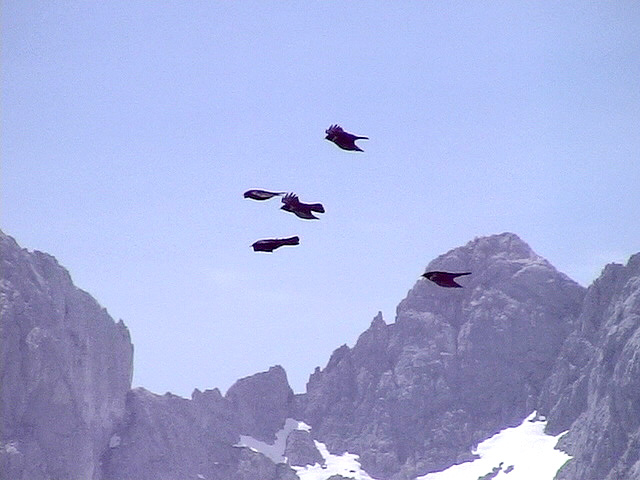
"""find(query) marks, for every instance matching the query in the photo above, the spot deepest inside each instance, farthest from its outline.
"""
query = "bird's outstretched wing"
(444, 279)
(256, 194)
(334, 130)
(291, 199)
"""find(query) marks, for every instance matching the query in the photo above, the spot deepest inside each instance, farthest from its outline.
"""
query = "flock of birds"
(306, 211)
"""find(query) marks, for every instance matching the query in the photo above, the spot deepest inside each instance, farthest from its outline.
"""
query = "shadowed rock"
(263, 402)
(301, 450)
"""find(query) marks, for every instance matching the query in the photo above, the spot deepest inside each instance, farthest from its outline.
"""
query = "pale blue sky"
(131, 129)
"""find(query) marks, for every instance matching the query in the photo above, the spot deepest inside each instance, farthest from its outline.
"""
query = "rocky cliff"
(594, 389)
(66, 368)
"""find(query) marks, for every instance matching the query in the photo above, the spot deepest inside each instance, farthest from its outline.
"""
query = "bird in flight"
(270, 244)
(302, 210)
(261, 194)
(344, 140)
(444, 279)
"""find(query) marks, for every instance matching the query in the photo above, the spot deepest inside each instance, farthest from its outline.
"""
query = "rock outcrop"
(263, 402)
(66, 369)
(300, 449)
(594, 389)
(456, 366)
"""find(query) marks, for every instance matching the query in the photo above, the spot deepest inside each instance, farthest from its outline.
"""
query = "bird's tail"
(462, 274)
(295, 240)
(316, 207)
(362, 138)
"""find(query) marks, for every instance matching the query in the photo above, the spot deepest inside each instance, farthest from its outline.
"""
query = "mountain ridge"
(409, 397)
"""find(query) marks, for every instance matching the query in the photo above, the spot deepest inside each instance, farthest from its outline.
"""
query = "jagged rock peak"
(507, 245)
(276, 375)
(167, 436)
(263, 402)
(378, 321)
(617, 272)
(170, 437)
(483, 252)
(197, 395)
(498, 263)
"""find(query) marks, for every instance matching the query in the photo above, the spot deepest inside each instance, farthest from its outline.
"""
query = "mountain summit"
(456, 366)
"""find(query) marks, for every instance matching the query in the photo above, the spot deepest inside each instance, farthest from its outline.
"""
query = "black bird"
(270, 244)
(444, 279)
(345, 140)
(302, 210)
(261, 194)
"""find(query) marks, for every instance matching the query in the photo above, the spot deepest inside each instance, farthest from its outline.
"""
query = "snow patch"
(115, 441)
(11, 448)
(524, 452)
(346, 465)
(304, 427)
(275, 450)
(35, 337)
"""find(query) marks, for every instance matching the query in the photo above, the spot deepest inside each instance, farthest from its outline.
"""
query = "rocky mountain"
(455, 367)
(410, 397)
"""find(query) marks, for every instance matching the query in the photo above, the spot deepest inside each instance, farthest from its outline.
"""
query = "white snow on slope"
(346, 465)
(524, 452)
(274, 451)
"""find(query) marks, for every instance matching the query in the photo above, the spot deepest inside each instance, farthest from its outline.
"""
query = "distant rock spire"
(378, 321)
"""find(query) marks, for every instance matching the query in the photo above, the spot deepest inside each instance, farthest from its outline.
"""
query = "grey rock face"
(594, 390)
(263, 402)
(168, 437)
(455, 367)
(65, 371)
(301, 450)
